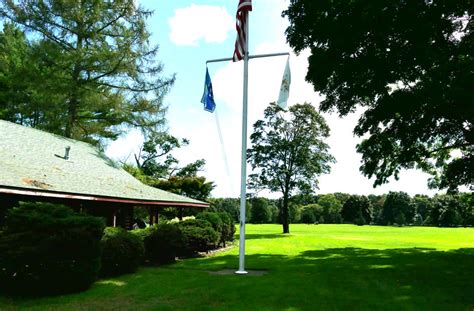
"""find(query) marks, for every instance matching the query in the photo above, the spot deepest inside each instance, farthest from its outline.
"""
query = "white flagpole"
(243, 163)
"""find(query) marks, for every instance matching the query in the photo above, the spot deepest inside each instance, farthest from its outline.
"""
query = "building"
(39, 166)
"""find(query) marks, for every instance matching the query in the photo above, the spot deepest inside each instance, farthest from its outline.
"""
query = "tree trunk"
(72, 113)
(285, 219)
(74, 95)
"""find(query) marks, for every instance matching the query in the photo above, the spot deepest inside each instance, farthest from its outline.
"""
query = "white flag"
(285, 86)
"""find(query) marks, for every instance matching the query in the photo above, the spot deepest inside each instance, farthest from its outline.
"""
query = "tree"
(227, 205)
(312, 213)
(422, 204)
(357, 209)
(331, 208)
(154, 157)
(195, 187)
(451, 210)
(260, 211)
(409, 65)
(377, 202)
(288, 152)
(96, 67)
(398, 208)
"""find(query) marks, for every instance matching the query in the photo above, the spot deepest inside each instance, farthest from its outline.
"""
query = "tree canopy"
(288, 152)
(409, 64)
(89, 69)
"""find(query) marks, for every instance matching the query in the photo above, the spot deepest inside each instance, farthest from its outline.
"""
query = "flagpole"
(243, 163)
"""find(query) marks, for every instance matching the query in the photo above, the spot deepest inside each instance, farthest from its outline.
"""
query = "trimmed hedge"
(228, 228)
(163, 243)
(214, 219)
(199, 236)
(48, 249)
(122, 252)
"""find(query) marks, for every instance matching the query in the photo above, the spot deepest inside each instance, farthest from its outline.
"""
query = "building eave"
(98, 199)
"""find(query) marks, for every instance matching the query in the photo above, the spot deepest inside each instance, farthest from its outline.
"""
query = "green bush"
(122, 252)
(48, 249)
(163, 243)
(199, 236)
(142, 233)
(214, 219)
(228, 228)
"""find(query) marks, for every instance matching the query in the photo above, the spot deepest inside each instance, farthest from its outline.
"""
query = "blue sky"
(191, 32)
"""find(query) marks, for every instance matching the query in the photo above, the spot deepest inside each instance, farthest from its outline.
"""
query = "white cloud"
(200, 22)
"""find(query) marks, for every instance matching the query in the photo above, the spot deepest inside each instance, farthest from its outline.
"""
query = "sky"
(191, 32)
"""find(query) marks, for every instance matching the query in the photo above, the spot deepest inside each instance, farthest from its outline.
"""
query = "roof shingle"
(33, 159)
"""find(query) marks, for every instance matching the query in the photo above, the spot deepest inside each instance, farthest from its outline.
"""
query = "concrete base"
(233, 272)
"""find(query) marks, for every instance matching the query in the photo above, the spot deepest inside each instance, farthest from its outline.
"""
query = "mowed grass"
(316, 267)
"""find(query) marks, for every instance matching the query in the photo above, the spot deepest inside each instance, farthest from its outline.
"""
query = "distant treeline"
(394, 208)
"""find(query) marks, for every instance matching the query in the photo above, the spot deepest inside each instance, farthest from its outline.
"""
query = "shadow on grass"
(336, 278)
(394, 279)
(264, 236)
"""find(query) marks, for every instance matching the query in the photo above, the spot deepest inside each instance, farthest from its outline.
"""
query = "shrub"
(48, 249)
(214, 220)
(122, 252)
(163, 243)
(228, 228)
(199, 236)
(142, 233)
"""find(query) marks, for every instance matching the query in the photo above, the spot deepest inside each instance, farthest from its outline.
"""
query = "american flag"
(240, 42)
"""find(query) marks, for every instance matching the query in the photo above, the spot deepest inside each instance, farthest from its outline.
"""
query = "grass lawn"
(316, 267)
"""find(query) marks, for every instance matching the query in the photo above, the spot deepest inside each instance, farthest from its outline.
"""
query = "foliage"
(288, 152)
(357, 209)
(156, 167)
(260, 212)
(228, 228)
(398, 209)
(377, 202)
(48, 249)
(331, 208)
(214, 219)
(409, 65)
(195, 187)
(230, 206)
(122, 252)
(451, 210)
(163, 243)
(422, 206)
(199, 236)
(154, 158)
(311, 214)
(92, 70)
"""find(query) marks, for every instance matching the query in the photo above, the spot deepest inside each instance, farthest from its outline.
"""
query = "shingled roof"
(34, 162)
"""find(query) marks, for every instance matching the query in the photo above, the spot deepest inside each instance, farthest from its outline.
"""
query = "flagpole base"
(243, 272)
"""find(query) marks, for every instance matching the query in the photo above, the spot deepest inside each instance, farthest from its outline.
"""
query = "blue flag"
(208, 96)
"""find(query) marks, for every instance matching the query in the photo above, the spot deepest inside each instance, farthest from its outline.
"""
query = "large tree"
(410, 65)
(94, 65)
(288, 152)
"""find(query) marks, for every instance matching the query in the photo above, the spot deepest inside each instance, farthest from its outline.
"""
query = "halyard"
(316, 267)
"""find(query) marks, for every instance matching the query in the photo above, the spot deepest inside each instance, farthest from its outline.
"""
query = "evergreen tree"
(97, 70)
